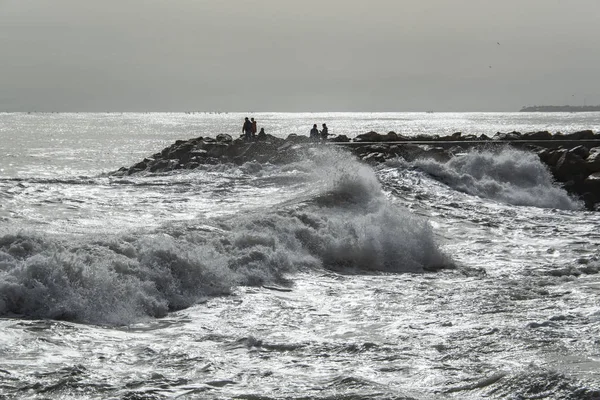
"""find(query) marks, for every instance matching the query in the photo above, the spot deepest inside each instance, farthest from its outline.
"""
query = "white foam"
(510, 176)
(342, 222)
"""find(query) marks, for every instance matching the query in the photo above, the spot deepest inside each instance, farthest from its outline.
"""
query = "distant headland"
(560, 109)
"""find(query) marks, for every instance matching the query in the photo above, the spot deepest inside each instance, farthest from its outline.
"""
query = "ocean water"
(319, 279)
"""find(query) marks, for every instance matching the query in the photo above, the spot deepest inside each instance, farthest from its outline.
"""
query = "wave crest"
(510, 176)
(342, 221)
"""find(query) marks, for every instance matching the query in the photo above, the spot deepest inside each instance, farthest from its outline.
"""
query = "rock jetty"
(573, 159)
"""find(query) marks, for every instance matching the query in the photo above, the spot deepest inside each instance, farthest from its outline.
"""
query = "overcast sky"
(288, 55)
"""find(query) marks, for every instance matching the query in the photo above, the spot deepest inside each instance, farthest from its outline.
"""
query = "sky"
(288, 55)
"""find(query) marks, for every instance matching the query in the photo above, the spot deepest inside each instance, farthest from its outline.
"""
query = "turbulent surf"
(320, 277)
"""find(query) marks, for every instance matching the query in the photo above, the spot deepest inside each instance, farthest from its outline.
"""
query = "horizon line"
(249, 112)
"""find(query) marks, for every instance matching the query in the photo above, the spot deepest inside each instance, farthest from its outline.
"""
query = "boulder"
(224, 138)
(581, 151)
(390, 137)
(374, 157)
(507, 136)
(376, 137)
(551, 156)
(591, 195)
(581, 135)
(592, 182)
(438, 154)
(161, 165)
(570, 167)
(298, 138)
(409, 152)
(427, 138)
(398, 136)
(142, 165)
(340, 139)
(369, 137)
(540, 135)
(180, 152)
(215, 149)
(592, 161)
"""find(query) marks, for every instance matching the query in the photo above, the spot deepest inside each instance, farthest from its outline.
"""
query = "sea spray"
(341, 221)
(510, 176)
(361, 228)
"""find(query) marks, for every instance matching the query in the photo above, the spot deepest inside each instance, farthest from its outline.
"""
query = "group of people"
(315, 135)
(249, 131)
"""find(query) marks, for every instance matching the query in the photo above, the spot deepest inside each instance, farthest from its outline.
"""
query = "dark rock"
(374, 157)
(390, 137)
(159, 165)
(398, 136)
(142, 165)
(438, 154)
(376, 137)
(541, 135)
(507, 136)
(198, 153)
(591, 195)
(581, 151)
(409, 152)
(593, 160)
(552, 156)
(215, 149)
(179, 152)
(426, 138)
(581, 135)
(376, 148)
(298, 138)
(369, 137)
(340, 139)
(593, 182)
(224, 138)
(570, 167)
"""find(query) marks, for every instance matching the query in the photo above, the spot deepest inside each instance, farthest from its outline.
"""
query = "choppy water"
(320, 279)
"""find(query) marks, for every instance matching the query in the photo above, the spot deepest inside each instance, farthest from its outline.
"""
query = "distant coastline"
(560, 109)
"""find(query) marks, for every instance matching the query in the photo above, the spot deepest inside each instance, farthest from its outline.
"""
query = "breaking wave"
(343, 222)
(510, 176)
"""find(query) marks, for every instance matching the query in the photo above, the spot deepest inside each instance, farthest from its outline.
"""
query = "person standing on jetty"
(247, 129)
(314, 133)
(324, 133)
(253, 128)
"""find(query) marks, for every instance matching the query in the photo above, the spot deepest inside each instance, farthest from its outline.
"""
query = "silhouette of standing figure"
(314, 133)
(324, 132)
(253, 127)
(247, 129)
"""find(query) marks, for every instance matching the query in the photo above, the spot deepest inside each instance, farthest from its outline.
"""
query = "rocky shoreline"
(573, 159)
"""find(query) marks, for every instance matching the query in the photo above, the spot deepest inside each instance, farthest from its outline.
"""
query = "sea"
(324, 278)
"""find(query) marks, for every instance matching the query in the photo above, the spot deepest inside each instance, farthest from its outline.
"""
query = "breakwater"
(573, 159)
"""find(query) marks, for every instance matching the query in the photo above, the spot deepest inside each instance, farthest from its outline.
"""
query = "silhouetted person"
(253, 127)
(262, 135)
(324, 132)
(314, 133)
(247, 129)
